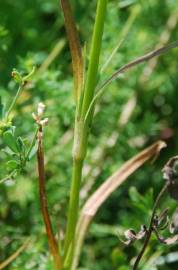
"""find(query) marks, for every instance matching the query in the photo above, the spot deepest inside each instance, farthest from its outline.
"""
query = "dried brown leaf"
(140, 60)
(111, 184)
(75, 48)
(105, 190)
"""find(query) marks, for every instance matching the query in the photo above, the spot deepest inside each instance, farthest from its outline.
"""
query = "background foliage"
(29, 32)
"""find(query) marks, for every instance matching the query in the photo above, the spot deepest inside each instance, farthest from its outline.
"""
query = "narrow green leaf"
(75, 48)
(11, 165)
(8, 152)
(32, 152)
(20, 144)
(10, 141)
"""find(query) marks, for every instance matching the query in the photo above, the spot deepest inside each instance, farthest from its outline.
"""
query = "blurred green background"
(135, 111)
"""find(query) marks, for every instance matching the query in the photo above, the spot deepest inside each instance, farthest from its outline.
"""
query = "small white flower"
(130, 234)
(40, 109)
(34, 116)
(38, 117)
(44, 122)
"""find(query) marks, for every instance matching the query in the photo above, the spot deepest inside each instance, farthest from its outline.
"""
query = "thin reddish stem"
(44, 205)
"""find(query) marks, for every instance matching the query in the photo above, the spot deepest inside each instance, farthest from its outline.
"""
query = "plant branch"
(44, 206)
(14, 100)
(150, 230)
(12, 174)
(92, 74)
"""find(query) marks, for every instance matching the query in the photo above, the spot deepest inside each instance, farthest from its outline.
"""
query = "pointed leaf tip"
(75, 47)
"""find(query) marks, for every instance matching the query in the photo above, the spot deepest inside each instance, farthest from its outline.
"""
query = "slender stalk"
(12, 174)
(94, 55)
(74, 201)
(150, 230)
(44, 206)
(14, 100)
(81, 130)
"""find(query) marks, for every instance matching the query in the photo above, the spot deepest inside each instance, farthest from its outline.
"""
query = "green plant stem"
(14, 100)
(12, 174)
(81, 131)
(92, 74)
(150, 230)
(79, 152)
(74, 201)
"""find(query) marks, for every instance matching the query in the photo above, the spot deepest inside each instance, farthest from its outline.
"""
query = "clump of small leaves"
(18, 150)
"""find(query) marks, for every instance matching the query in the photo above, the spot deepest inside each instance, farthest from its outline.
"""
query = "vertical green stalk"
(81, 130)
(94, 55)
(14, 100)
(74, 202)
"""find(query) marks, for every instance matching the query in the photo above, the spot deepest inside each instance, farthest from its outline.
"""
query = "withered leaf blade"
(169, 171)
(163, 219)
(75, 48)
(114, 181)
(139, 60)
(94, 202)
(171, 240)
(163, 215)
(132, 236)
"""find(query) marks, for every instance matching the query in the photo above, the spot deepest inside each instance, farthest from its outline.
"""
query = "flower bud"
(40, 109)
(16, 76)
(44, 122)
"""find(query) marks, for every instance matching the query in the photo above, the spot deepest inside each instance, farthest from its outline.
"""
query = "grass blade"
(12, 257)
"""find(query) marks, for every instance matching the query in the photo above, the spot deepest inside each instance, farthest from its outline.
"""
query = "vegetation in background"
(135, 110)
